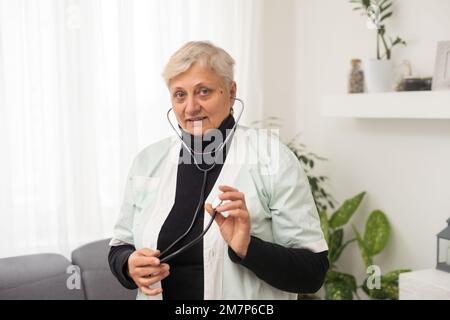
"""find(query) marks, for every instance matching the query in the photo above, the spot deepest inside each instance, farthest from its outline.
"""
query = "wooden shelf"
(389, 105)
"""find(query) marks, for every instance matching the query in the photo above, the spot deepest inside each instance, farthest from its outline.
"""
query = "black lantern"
(443, 249)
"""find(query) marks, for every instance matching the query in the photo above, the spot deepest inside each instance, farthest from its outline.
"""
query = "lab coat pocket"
(145, 190)
(259, 219)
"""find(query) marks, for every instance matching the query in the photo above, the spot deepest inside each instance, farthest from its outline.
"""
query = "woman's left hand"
(235, 228)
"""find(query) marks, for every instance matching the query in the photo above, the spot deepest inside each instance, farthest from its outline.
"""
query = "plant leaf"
(334, 244)
(362, 248)
(397, 41)
(387, 290)
(308, 296)
(388, 286)
(337, 253)
(383, 9)
(387, 15)
(338, 290)
(345, 212)
(393, 275)
(349, 279)
(377, 233)
(383, 3)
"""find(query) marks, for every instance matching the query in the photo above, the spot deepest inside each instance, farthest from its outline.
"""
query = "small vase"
(379, 75)
(356, 77)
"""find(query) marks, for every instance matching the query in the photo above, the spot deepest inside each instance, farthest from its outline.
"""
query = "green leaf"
(383, 2)
(308, 296)
(393, 275)
(387, 15)
(387, 290)
(333, 276)
(366, 3)
(362, 248)
(377, 233)
(338, 290)
(337, 253)
(324, 225)
(388, 286)
(345, 212)
(397, 41)
(334, 244)
(383, 9)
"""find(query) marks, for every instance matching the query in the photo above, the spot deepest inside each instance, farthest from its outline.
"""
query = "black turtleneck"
(186, 270)
(288, 269)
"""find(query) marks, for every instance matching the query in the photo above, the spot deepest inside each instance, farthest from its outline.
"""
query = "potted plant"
(379, 72)
(343, 286)
(339, 285)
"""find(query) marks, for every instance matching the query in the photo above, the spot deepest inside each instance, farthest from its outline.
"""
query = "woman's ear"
(233, 90)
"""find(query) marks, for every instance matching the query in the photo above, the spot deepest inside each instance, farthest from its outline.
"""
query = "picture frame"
(441, 77)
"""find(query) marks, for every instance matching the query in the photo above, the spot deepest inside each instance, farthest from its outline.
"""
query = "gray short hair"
(203, 53)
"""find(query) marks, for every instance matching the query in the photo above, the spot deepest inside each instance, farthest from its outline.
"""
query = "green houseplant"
(343, 286)
(377, 12)
(339, 285)
(379, 73)
(317, 183)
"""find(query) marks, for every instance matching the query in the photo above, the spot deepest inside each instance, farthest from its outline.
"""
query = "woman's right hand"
(145, 269)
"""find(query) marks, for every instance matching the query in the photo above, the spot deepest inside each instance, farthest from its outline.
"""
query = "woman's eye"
(179, 95)
(204, 91)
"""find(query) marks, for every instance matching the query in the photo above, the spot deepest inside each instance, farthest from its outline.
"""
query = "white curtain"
(81, 94)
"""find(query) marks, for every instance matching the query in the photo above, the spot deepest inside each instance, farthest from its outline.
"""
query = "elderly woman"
(266, 242)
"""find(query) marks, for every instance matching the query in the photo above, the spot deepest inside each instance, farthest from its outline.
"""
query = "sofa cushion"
(98, 281)
(39, 276)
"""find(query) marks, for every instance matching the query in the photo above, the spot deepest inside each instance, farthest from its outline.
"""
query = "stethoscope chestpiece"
(216, 203)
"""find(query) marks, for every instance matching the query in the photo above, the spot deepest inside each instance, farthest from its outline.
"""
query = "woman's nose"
(192, 105)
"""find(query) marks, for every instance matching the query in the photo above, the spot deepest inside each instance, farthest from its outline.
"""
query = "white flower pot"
(379, 75)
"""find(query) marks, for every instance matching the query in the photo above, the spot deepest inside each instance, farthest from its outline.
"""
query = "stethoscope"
(202, 193)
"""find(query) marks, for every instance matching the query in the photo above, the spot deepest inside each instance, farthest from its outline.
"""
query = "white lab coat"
(277, 195)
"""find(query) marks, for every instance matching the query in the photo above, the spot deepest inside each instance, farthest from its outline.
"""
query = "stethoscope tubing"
(202, 194)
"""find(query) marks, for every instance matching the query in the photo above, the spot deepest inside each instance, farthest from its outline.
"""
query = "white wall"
(404, 165)
(279, 55)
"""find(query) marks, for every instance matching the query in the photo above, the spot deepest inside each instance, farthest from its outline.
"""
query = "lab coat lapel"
(215, 247)
(164, 203)
(165, 198)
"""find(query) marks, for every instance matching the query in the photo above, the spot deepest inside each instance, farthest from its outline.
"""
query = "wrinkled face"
(200, 99)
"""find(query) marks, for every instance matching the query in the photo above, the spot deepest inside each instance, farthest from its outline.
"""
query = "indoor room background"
(81, 93)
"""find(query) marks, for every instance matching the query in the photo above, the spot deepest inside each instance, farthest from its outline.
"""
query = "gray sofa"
(54, 277)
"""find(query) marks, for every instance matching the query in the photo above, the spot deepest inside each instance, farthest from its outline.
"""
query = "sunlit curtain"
(81, 93)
